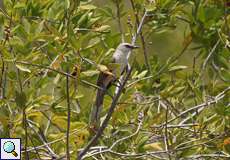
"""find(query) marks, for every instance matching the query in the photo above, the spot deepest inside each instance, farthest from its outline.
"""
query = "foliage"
(44, 42)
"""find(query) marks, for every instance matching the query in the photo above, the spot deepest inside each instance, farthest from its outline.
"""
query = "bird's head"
(126, 47)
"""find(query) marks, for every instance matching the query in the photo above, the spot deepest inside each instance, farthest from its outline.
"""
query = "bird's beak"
(135, 47)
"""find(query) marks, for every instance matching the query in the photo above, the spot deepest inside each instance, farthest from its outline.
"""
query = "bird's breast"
(121, 59)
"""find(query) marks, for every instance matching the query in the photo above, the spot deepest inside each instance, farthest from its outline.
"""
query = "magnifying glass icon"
(9, 147)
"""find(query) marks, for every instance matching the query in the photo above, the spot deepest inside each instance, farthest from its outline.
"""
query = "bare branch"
(57, 71)
(209, 56)
(52, 142)
(68, 118)
(141, 36)
(216, 155)
(135, 133)
(51, 152)
(200, 106)
(119, 20)
(106, 121)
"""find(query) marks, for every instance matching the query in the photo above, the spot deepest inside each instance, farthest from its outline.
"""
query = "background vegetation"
(175, 104)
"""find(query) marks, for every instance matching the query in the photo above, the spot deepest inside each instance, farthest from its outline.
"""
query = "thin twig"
(205, 104)
(141, 36)
(2, 78)
(106, 149)
(137, 154)
(133, 155)
(209, 56)
(198, 144)
(124, 138)
(49, 119)
(51, 152)
(166, 139)
(144, 103)
(119, 20)
(68, 118)
(26, 133)
(177, 126)
(106, 121)
(134, 38)
(164, 67)
(200, 156)
(57, 71)
(52, 142)
(24, 119)
(36, 151)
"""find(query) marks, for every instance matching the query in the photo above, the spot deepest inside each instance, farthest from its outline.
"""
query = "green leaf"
(78, 96)
(19, 5)
(110, 51)
(20, 99)
(226, 74)
(150, 8)
(56, 79)
(26, 25)
(87, 7)
(22, 68)
(40, 27)
(142, 74)
(141, 143)
(177, 68)
(67, 4)
(90, 73)
(83, 20)
(104, 28)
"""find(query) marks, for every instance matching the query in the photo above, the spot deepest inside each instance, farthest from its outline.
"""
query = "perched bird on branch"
(120, 57)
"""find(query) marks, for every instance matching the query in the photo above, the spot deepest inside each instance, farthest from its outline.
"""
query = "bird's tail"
(96, 109)
(104, 81)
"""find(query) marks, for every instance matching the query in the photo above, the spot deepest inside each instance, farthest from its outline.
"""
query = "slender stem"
(2, 87)
(209, 56)
(214, 101)
(118, 92)
(164, 67)
(106, 121)
(141, 36)
(68, 118)
(23, 113)
(42, 138)
(26, 133)
(36, 151)
(119, 20)
(166, 132)
(57, 71)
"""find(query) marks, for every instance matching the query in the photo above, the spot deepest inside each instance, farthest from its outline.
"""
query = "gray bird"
(104, 81)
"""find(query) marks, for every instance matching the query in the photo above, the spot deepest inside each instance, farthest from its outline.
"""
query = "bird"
(104, 81)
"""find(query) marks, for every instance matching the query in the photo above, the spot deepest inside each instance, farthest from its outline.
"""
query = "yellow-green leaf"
(90, 73)
(20, 99)
(104, 28)
(87, 7)
(22, 68)
(177, 68)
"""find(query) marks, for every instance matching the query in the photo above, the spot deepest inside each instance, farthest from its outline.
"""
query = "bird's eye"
(128, 46)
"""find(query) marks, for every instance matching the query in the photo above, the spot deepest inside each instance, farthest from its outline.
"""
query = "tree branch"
(141, 36)
(116, 97)
(68, 118)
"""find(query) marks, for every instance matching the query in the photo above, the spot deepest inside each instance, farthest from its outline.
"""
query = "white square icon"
(10, 148)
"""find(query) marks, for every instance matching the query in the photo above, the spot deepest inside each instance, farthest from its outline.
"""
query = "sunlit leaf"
(177, 68)
(20, 98)
(23, 68)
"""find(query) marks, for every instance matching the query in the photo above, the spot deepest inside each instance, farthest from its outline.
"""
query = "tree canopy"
(173, 103)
